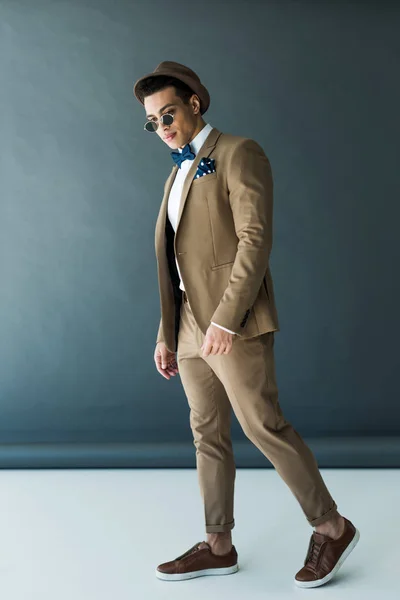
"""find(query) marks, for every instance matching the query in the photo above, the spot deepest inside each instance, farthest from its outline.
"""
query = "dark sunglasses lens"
(151, 126)
(167, 119)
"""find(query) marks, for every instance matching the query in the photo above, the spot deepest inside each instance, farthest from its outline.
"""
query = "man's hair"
(153, 84)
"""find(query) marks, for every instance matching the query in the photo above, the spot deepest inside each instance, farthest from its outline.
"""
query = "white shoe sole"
(193, 574)
(318, 582)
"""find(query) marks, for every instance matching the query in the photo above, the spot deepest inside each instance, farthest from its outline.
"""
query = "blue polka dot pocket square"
(206, 166)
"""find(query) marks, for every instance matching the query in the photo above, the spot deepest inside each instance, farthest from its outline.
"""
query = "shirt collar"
(200, 138)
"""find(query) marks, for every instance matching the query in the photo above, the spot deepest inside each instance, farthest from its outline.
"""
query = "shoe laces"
(190, 551)
(313, 553)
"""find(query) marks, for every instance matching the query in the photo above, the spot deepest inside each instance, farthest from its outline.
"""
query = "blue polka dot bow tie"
(186, 154)
(206, 165)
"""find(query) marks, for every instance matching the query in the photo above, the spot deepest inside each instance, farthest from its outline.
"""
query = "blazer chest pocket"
(204, 179)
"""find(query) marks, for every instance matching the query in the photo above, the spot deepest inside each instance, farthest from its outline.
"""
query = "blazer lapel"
(162, 215)
(203, 152)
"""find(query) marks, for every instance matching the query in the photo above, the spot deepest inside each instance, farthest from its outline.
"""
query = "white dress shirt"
(176, 191)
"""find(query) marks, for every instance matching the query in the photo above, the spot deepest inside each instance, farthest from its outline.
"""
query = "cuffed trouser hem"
(220, 528)
(328, 515)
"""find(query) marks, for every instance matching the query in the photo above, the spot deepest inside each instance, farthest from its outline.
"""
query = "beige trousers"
(244, 380)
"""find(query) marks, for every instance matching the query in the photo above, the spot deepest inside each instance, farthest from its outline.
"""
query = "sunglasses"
(152, 126)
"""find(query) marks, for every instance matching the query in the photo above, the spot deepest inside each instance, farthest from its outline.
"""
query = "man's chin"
(172, 143)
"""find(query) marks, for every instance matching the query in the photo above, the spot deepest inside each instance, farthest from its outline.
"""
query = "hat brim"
(198, 88)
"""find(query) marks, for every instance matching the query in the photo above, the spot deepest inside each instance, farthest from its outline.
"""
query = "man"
(213, 238)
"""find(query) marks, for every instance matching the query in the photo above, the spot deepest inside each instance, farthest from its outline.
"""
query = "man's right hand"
(165, 361)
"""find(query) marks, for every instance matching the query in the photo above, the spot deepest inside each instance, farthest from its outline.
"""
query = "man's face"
(185, 120)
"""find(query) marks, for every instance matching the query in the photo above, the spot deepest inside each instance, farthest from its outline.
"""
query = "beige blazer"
(222, 243)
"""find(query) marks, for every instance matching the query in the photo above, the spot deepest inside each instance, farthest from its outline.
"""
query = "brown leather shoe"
(325, 556)
(197, 562)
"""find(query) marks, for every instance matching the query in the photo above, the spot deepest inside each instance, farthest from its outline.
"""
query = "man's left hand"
(217, 341)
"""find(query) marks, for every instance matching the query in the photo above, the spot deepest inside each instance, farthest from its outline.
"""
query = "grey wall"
(316, 84)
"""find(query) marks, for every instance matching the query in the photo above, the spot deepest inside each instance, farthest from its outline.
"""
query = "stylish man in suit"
(213, 239)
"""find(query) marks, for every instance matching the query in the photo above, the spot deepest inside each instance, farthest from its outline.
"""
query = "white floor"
(99, 534)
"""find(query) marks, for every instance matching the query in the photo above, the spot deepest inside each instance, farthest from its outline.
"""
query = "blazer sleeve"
(159, 333)
(250, 187)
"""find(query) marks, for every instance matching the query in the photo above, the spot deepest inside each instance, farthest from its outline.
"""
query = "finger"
(161, 370)
(159, 367)
(207, 348)
(222, 348)
(215, 348)
(164, 373)
(160, 361)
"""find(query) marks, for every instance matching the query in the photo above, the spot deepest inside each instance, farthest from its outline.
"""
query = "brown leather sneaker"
(197, 562)
(325, 556)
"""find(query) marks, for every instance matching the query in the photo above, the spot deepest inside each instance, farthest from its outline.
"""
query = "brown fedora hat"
(174, 69)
